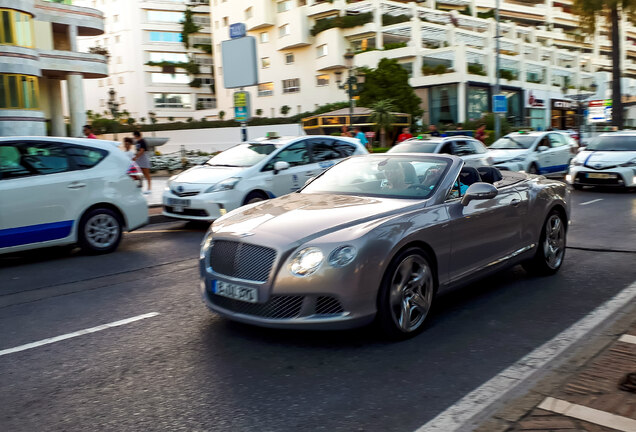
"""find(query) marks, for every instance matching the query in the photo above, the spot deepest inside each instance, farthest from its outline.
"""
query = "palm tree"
(382, 116)
(591, 10)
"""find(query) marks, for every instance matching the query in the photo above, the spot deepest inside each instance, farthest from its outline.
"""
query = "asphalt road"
(187, 369)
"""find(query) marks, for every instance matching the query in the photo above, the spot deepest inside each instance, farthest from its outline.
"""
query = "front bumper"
(203, 206)
(611, 177)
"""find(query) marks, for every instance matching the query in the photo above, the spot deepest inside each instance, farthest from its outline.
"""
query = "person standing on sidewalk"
(357, 133)
(142, 158)
(88, 132)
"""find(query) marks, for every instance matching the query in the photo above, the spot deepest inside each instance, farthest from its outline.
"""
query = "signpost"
(242, 111)
(499, 104)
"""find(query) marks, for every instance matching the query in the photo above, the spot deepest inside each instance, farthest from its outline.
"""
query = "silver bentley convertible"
(375, 237)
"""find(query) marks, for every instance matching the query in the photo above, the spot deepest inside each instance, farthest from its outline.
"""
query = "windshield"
(414, 147)
(613, 143)
(391, 176)
(242, 155)
(514, 142)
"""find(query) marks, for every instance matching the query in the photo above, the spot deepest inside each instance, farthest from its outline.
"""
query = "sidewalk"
(583, 395)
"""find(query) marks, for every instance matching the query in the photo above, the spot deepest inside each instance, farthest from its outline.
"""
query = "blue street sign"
(237, 30)
(499, 104)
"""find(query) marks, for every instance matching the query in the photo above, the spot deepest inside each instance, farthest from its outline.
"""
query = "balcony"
(262, 15)
(56, 63)
(88, 21)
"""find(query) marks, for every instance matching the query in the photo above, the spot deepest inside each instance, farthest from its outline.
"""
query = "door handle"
(76, 185)
(515, 202)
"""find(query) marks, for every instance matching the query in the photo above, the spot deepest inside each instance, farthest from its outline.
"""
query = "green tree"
(590, 13)
(382, 116)
(284, 110)
(188, 27)
(390, 81)
(259, 112)
(221, 114)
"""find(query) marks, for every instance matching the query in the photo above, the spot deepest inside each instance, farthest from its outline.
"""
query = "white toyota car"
(609, 160)
(252, 171)
(544, 153)
(472, 151)
(59, 191)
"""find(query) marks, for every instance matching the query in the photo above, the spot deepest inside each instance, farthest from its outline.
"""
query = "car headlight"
(306, 261)
(631, 163)
(205, 244)
(576, 162)
(342, 255)
(224, 185)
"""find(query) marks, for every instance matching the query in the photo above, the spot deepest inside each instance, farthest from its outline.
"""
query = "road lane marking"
(473, 408)
(591, 202)
(628, 339)
(588, 414)
(77, 333)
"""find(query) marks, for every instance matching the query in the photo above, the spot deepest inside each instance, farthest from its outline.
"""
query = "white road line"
(481, 400)
(77, 333)
(588, 414)
(591, 202)
(627, 338)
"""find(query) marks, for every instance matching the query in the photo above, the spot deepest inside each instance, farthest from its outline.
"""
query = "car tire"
(532, 169)
(254, 196)
(551, 248)
(100, 231)
(408, 288)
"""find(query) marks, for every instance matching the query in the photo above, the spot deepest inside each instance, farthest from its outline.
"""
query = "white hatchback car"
(58, 191)
(253, 171)
(534, 152)
(472, 151)
(609, 160)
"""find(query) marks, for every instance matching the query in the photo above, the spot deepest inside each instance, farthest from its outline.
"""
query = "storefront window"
(477, 105)
(443, 104)
(16, 28)
(18, 91)
(536, 118)
(514, 114)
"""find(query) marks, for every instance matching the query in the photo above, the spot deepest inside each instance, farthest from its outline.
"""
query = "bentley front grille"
(241, 260)
(277, 307)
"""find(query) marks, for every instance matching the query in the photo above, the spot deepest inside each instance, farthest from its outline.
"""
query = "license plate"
(601, 175)
(178, 202)
(236, 292)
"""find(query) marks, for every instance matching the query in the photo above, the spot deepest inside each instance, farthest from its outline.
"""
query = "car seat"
(469, 175)
(489, 174)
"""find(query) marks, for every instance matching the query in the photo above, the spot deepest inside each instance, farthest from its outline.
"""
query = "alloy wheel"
(554, 243)
(101, 231)
(411, 293)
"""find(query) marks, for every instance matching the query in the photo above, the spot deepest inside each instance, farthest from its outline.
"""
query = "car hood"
(503, 155)
(601, 159)
(205, 174)
(300, 217)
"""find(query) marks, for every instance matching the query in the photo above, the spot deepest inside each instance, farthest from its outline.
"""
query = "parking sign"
(499, 104)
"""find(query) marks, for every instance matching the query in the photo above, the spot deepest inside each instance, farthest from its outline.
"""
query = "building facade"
(150, 69)
(38, 53)
(447, 46)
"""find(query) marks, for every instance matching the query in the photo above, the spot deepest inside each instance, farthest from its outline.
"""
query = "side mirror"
(280, 166)
(542, 148)
(479, 191)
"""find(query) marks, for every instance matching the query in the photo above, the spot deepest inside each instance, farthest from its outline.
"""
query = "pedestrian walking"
(406, 134)
(362, 137)
(345, 132)
(142, 158)
(481, 134)
(128, 147)
(88, 132)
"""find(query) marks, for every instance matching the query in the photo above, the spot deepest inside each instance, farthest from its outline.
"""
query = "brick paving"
(594, 385)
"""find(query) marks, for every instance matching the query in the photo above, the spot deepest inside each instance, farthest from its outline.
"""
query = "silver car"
(374, 238)
(472, 151)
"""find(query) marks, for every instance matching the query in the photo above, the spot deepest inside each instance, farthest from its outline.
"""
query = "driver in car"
(395, 177)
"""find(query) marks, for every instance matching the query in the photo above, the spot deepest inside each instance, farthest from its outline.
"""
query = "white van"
(253, 171)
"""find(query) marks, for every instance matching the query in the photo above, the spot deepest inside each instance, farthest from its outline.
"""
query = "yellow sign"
(240, 99)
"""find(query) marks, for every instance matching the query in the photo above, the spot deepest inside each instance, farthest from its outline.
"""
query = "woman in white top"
(128, 147)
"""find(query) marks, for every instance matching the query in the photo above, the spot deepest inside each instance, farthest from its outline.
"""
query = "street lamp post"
(113, 106)
(349, 84)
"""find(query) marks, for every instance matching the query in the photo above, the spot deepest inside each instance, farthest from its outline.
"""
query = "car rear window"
(84, 157)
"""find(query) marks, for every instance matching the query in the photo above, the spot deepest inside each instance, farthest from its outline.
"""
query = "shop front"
(536, 106)
(563, 114)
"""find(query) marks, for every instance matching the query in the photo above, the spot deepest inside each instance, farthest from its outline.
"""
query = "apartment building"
(41, 66)
(150, 70)
(447, 46)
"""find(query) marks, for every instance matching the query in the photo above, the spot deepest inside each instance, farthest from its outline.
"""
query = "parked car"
(472, 151)
(374, 238)
(609, 160)
(252, 171)
(58, 191)
(545, 153)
